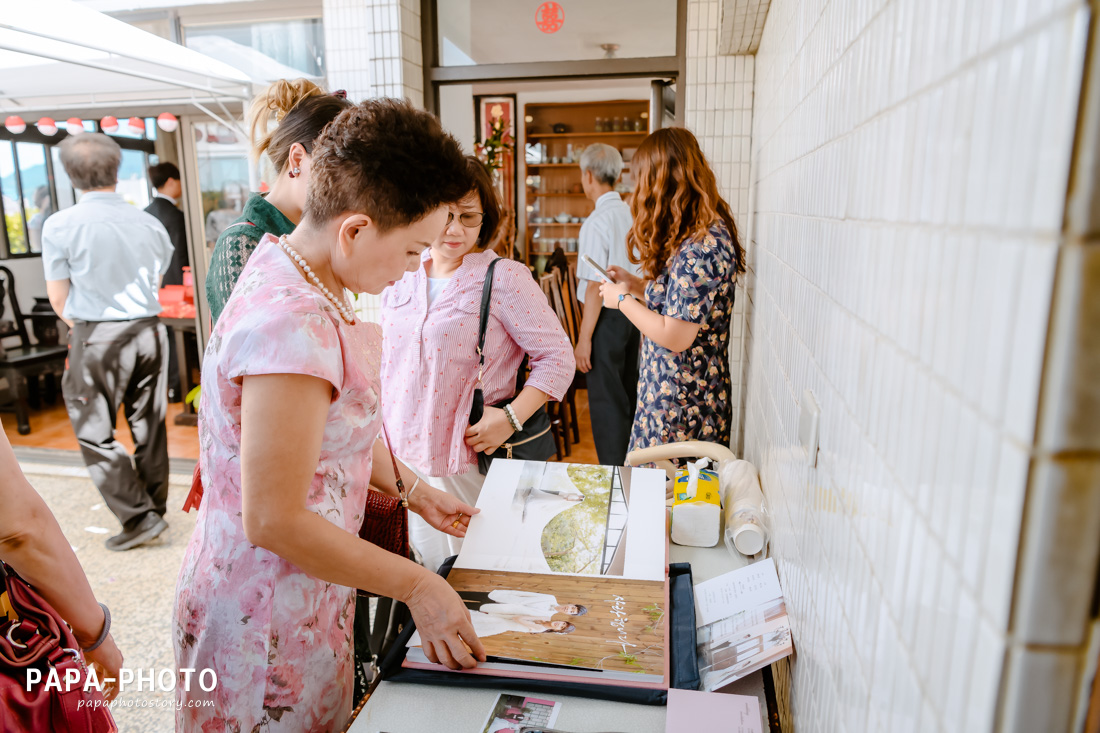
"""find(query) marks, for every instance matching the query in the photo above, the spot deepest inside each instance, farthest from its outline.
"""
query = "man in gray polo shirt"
(104, 259)
(608, 343)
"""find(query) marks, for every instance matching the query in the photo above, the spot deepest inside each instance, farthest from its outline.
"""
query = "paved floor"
(138, 586)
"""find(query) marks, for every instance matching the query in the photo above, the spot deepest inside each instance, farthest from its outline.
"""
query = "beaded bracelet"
(517, 426)
(102, 634)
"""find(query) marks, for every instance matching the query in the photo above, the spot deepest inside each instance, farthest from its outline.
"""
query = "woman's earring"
(296, 172)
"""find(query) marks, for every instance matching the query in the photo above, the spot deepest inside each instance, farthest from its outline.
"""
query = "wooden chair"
(559, 411)
(22, 365)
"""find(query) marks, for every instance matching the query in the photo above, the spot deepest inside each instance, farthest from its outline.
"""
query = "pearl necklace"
(342, 307)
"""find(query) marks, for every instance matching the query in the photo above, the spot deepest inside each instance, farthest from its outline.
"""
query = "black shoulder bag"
(534, 442)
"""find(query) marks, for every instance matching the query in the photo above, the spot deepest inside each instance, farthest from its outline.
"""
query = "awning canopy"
(57, 56)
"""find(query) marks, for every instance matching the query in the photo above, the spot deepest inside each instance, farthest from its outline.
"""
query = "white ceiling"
(504, 31)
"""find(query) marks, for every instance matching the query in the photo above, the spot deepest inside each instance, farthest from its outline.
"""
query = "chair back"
(18, 322)
(544, 283)
(569, 293)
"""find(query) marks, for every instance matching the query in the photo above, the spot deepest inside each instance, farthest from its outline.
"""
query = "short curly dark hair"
(388, 160)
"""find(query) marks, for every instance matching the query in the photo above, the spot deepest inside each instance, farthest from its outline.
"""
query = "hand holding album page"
(564, 574)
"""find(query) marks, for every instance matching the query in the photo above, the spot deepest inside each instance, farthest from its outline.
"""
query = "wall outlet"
(808, 420)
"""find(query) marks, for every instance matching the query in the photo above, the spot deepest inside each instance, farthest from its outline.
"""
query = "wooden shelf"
(579, 119)
(532, 135)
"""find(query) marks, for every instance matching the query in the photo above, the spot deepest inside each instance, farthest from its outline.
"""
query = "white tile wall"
(742, 25)
(909, 169)
(718, 109)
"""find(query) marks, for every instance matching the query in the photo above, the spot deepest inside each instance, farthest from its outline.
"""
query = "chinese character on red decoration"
(550, 17)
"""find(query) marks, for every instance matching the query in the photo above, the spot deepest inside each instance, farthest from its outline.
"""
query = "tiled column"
(347, 57)
(718, 109)
(373, 48)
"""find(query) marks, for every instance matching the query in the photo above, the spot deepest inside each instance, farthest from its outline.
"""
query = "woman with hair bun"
(301, 109)
(685, 239)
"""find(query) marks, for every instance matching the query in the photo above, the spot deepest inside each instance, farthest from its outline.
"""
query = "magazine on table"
(513, 713)
(564, 574)
(742, 624)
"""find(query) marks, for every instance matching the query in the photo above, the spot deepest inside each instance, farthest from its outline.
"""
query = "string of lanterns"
(74, 125)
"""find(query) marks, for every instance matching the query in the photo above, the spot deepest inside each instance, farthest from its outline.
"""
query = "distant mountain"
(33, 177)
(133, 166)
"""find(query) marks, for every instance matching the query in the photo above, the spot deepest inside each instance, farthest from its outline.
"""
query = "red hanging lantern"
(109, 124)
(167, 122)
(136, 126)
(47, 126)
(74, 125)
(15, 124)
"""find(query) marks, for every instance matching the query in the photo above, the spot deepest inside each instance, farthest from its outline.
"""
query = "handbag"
(385, 524)
(35, 637)
(386, 518)
(534, 442)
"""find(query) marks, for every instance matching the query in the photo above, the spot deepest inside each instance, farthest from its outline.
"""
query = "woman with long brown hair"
(685, 239)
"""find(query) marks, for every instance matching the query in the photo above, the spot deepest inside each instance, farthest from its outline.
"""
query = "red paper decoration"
(136, 125)
(167, 122)
(550, 17)
(74, 126)
(109, 124)
(15, 124)
(47, 126)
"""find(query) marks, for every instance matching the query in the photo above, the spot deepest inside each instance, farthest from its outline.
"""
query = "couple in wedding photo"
(501, 611)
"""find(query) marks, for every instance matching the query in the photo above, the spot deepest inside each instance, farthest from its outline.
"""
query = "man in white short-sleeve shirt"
(608, 343)
(103, 260)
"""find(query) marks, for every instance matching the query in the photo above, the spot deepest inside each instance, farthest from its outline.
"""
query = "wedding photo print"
(606, 625)
(568, 519)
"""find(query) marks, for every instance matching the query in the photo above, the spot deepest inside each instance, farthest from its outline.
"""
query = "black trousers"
(613, 385)
(113, 363)
(171, 360)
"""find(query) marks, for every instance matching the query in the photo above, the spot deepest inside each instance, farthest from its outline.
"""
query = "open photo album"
(564, 574)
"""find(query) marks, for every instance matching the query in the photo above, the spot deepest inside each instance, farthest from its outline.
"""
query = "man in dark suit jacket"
(165, 178)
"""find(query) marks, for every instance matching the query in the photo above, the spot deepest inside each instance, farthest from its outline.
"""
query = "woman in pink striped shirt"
(429, 363)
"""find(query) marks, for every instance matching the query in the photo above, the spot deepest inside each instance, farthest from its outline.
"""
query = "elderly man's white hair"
(603, 161)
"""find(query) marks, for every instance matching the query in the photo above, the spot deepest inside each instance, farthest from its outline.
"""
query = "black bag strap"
(483, 324)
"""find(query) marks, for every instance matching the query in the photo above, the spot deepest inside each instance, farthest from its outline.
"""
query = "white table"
(407, 708)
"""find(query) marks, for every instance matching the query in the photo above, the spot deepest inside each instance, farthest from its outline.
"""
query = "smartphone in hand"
(603, 273)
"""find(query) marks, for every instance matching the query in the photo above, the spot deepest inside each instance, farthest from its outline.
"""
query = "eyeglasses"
(468, 219)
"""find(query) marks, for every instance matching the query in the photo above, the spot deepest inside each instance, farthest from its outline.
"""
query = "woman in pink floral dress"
(291, 416)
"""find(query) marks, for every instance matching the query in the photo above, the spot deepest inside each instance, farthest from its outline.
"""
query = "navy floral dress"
(686, 396)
